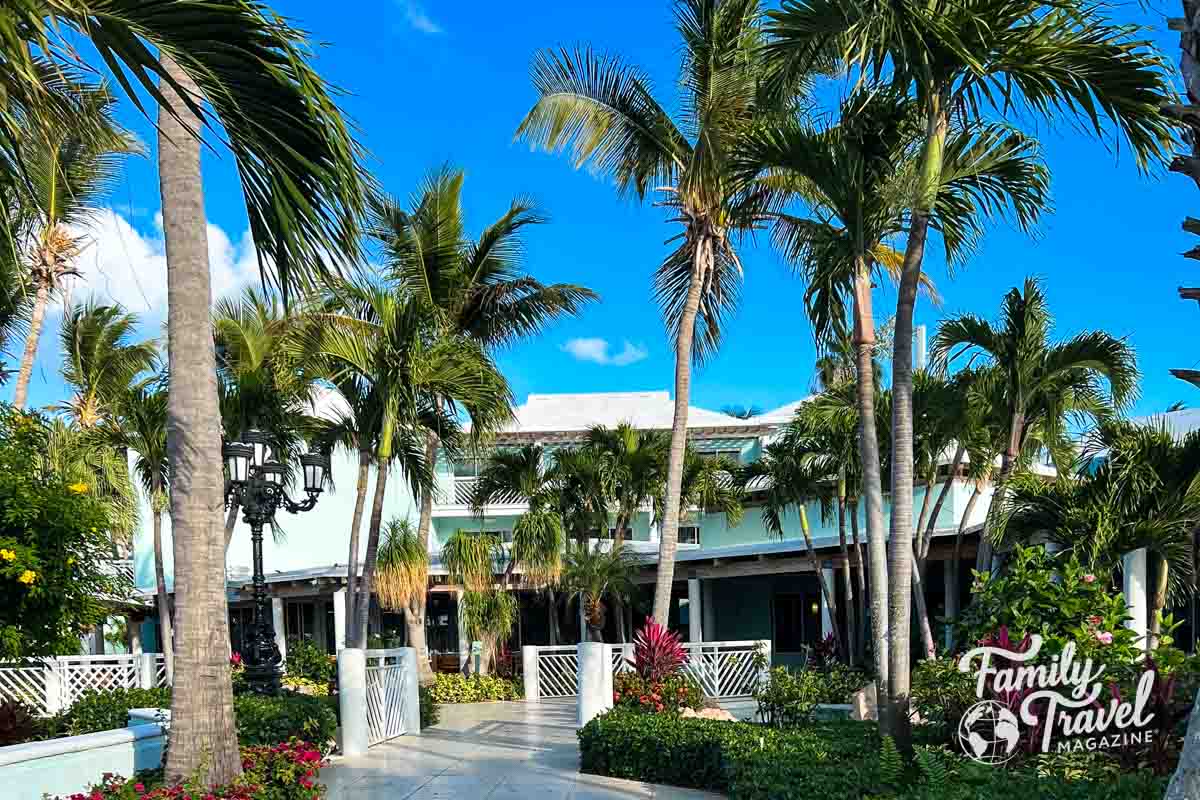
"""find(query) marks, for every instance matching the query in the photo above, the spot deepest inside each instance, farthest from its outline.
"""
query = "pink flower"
(137, 787)
(1104, 637)
(1094, 620)
(1089, 578)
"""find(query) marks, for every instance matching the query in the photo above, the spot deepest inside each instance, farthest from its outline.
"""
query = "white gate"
(387, 694)
(557, 671)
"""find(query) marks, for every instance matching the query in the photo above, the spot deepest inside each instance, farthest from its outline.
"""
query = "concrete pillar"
(582, 622)
(277, 622)
(608, 677)
(352, 700)
(147, 671)
(1136, 597)
(695, 611)
(950, 589)
(133, 625)
(529, 670)
(464, 641)
(591, 682)
(339, 620)
(412, 698)
(826, 617)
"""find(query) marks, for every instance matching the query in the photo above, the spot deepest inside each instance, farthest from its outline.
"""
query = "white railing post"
(590, 680)
(147, 671)
(54, 687)
(608, 677)
(352, 699)
(412, 698)
(529, 669)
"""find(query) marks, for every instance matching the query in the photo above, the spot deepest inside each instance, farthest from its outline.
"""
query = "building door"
(797, 621)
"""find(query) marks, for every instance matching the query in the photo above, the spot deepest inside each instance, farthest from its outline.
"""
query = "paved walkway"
(500, 751)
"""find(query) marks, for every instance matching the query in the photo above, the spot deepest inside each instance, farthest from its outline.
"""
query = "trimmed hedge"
(819, 762)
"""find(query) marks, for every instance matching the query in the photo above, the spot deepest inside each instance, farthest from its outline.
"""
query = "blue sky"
(437, 82)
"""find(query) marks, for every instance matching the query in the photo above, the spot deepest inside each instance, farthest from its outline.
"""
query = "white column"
(826, 617)
(54, 686)
(590, 681)
(339, 619)
(411, 707)
(352, 700)
(695, 611)
(464, 642)
(529, 670)
(278, 623)
(950, 589)
(606, 666)
(1135, 592)
(147, 671)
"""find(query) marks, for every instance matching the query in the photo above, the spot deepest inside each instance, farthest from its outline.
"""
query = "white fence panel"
(96, 673)
(30, 683)
(387, 695)
(558, 669)
(54, 684)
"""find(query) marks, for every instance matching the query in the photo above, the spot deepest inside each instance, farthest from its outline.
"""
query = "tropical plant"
(657, 652)
(68, 166)
(16, 301)
(88, 458)
(584, 487)
(403, 566)
(488, 616)
(603, 110)
(100, 363)
(476, 289)
(595, 574)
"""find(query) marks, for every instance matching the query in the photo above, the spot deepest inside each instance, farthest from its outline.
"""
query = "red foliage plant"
(657, 653)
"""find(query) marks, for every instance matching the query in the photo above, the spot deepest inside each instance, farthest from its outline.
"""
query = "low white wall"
(71, 764)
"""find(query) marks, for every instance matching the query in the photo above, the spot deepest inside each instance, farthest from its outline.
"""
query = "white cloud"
(419, 19)
(124, 265)
(596, 350)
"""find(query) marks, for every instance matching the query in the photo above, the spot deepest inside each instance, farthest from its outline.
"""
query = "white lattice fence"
(726, 669)
(51, 685)
(96, 673)
(387, 693)
(558, 669)
(26, 683)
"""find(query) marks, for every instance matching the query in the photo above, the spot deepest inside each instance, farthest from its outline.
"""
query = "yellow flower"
(78, 488)
(8, 555)
(27, 576)
(70, 561)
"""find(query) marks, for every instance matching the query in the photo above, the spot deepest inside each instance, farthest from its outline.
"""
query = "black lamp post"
(255, 481)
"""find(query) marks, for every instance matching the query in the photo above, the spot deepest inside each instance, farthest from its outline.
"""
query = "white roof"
(782, 415)
(1179, 423)
(548, 413)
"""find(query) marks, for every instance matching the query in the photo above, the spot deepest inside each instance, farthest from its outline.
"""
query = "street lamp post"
(255, 481)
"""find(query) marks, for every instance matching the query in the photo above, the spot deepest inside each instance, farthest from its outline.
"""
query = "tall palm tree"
(100, 362)
(1056, 59)
(70, 166)
(636, 464)
(489, 612)
(478, 288)
(595, 574)
(141, 429)
(1037, 382)
(583, 485)
(402, 568)
(16, 301)
(604, 111)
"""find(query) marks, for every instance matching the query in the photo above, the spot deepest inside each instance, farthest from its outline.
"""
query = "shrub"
(17, 723)
(457, 688)
(430, 711)
(305, 686)
(306, 660)
(263, 720)
(838, 682)
(657, 652)
(787, 698)
(670, 695)
(104, 711)
(940, 693)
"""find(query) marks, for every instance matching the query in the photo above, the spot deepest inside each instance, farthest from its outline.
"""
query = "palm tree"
(99, 361)
(584, 486)
(593, 574)
(16, 301)
(488, 612)
(1037, 383)
(1059, 59)
(402, 568)
(478, 288)
(141, 429)
(70, 166)
(604, 111)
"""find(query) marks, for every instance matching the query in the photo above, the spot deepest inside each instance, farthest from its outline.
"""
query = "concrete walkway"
(501, 751)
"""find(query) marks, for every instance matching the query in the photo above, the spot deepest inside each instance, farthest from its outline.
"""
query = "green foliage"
(430, 710)
(824, 761)
(263, 720)
(104, 711)
(53, 543)
(1055, 598)
(308, 661)
(669, 695)
(305, 686)
(17, 723)
(457, 688)
(941, 693)
(789, 698)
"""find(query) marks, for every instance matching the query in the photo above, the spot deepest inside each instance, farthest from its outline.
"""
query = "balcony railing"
(464, 490)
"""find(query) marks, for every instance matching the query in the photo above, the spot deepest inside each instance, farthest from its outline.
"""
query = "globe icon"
(988, 732)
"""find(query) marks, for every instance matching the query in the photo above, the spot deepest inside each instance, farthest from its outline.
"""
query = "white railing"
(51, 685)
(723, 669)
(388, 694)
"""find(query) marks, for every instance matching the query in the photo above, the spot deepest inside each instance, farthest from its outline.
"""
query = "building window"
(504, 535)
(689, 534)
(299, 620)
(731, 455)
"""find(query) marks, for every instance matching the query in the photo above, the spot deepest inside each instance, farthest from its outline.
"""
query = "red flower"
(137, 787)
(658, 707)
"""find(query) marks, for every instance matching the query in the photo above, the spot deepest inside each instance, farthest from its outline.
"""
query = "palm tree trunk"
(166, 635)
(360, 502)
(868, 444)
(418, 603)
(669, 531)
(203, 732)
(552, 611)
(956, 561)
(1158, 603)
(921, 608)
(860, 585)
(363, 607)
(919, 541)
(900, 540)
(40, 301)
(826, 589)
(851, 642)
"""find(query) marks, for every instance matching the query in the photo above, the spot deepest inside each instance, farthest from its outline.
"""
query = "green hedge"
(457, 688)
(819, 762)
